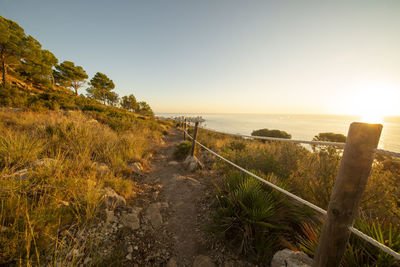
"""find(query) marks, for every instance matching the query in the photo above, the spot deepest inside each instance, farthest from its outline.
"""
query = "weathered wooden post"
(184, 130)
(350, 183)
(194, 138)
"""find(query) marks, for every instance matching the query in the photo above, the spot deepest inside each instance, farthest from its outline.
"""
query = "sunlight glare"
(371, 102)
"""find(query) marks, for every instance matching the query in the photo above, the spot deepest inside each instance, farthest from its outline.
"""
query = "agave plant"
(252, 217)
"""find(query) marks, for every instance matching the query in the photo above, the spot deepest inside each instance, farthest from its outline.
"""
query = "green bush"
(271, 133)
(182, 150)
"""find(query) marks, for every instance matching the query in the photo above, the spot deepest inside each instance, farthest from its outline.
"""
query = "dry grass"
(64, 192)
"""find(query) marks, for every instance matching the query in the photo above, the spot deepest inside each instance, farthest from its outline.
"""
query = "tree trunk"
(53, 82)
(3, 65)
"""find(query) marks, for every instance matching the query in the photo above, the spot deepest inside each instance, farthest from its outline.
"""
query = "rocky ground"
(164, 226)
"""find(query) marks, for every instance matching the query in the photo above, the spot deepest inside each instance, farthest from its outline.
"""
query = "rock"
(173, 163)
(110, 216)
(112, 199)
(21, 174)
(131, 220)
(136, 168)
(129, 256)
(289, 258)
(203, 261)
(43, 162)
(192, 163)
(130, 249)
(171, 263)
(102, 169)
(153, 214)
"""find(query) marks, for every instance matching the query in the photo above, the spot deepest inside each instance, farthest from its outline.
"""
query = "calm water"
(299, 126)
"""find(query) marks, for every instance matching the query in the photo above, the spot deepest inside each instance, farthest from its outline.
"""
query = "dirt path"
(174, 217)
(182, 191)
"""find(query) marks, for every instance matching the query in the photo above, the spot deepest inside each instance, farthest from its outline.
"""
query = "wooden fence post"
(194, 138)
(184, 131)
(350, 184)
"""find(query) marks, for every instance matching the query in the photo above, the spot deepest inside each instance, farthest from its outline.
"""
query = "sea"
(303, 127)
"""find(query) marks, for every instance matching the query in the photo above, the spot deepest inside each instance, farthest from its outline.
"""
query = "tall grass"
(64, 192)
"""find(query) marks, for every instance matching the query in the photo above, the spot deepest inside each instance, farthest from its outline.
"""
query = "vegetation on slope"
(311, 175)
(60, 151)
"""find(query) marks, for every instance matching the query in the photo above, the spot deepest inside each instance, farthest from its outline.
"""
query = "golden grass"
(66, 191)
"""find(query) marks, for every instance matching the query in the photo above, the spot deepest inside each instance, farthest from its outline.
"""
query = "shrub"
(358, 251)
(271, 133)
(18, 149)
(252, 217)
(182, 150)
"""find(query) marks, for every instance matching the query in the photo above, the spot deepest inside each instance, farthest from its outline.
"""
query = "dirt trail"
(182, 191)
(177, 214)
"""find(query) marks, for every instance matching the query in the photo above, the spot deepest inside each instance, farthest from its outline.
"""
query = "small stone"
(173, 162)
(112, 199)
(153, 215)
(130, 249)
(102, 169)
(289, 258)
(136, 168)
(21, 174)
(135, 247)
(43, 162)
(192, 163)
(110, 217)
(203, 261)
(171, 263)
(131, 220)
(129, 256)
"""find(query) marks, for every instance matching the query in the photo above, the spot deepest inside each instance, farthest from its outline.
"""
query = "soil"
(189, 196)
(164, 225)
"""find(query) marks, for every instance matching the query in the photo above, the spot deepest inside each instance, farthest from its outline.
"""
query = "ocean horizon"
(300, 126)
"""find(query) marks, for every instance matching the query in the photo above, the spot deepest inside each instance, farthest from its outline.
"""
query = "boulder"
(112, 199)
(131, 219)
(203, 261)
(192, 163)
(289, 258)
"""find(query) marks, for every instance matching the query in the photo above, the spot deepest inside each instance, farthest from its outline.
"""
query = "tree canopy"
(23, 59)
(130, 103)
(145, 109)
(330, 137)
(100, 87)
(271, 133)
(12, 38)
(69, 75)
(23, 56)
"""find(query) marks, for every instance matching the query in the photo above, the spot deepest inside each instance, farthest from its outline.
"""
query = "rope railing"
(297, 198)
(318, 143)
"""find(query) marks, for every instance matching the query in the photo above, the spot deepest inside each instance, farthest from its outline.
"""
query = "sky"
(229, 56)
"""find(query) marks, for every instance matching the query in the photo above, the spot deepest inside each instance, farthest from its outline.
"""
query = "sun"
(370, 102)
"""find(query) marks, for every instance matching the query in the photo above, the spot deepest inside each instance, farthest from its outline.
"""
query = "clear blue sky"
(229, 56)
